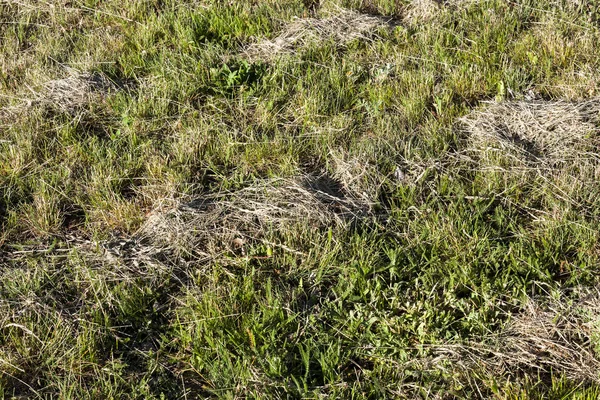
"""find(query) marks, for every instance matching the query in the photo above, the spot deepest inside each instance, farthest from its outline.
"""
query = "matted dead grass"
(73, 94)
(547, 149)
(76, 90)
(418, 12)
(546, 144)
(559, 336)
(229, 223)
(358, 175)
(340, 26)
(535, 132)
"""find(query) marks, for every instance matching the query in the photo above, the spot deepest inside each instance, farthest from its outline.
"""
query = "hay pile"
(76, 90)
(419, 11)
(228, 224)
(341, 28)
(357, 175)
(560, 336)
(541, 156)
(73, 94)
(535, 133)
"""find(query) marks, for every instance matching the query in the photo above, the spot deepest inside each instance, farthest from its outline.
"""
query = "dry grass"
(76, 90)
(340, 27)
(555, 142)
(539, 146)
(559, 336)
(71, 94)
(421, 11)
(545, 132)
(222, 224)
(357, 175)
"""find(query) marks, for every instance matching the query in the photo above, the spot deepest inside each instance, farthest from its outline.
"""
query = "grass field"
(248, 199)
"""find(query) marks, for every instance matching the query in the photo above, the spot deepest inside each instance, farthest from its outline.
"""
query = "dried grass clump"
(419, 11)
(357, 175)
(265, 212)
(341, 27)
(556, 140)
(76, 91)
(559, 337)
(6, 113)
(73, 94)
(551, 135)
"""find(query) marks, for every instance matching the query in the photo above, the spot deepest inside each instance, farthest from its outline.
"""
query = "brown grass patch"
(340, 27)
(358, 175)
(542, 145)
(76, 90)
(227, 224)
(558, 336)
(548, 150)
(417, 12)
(72, 94)
(538, 132)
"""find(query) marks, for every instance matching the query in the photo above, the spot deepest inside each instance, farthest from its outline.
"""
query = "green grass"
(359, 309)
